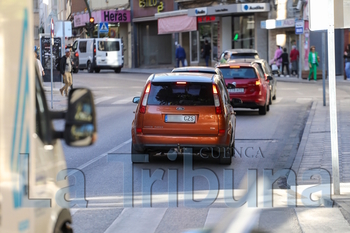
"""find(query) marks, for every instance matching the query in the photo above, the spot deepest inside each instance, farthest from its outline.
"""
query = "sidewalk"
(314, 151)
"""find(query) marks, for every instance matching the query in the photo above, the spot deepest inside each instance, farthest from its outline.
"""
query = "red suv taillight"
(217, 103)
(145, 99)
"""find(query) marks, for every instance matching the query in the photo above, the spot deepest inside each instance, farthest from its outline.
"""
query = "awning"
(177, 24)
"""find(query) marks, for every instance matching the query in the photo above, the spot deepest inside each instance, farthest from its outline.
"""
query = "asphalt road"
(105, 175)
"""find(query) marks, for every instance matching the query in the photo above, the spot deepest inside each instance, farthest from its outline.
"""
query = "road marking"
(303, 100)
(134, 220)
(99, 100)
(288, 89)
(124, 101)
(278, 99)
(81, 167)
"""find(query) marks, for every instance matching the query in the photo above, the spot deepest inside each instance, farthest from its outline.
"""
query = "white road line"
(135, 220)
(81, 167)
(303, 100)
(215, 215)
(278, 99)
(99, 100)
(124, 101)
(288, 89)
(321, 220)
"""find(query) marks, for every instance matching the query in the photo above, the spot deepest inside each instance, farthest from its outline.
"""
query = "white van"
(99, 53)
(32, 164)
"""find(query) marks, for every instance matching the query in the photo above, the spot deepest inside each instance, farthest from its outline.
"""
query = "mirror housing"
(80, 129)
(136, 100)
(236, 101)
(230, 86)
(269, 78)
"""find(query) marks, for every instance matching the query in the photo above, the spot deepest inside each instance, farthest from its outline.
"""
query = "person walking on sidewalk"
(347, 62)
(180, 55)
(206, 50)
(276, 58)
(66, 71)
(294, 57)
(313, 62)
(285, 61)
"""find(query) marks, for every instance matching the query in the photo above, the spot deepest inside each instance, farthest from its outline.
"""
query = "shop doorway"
(206, 32)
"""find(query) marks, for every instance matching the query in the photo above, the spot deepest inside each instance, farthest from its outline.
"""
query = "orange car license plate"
(180, 118)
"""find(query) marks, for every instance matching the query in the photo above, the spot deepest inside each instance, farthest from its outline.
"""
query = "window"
(244, 55)
(243, 32)
(82, 46)
(108, 46)
(75, 45)
(43, 124)
(36, 5)
(261, 73)
(36, 32)
(190, 94)
(240, 73)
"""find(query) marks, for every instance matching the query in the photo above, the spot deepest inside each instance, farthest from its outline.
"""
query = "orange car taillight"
(218, 109)
(145, 99)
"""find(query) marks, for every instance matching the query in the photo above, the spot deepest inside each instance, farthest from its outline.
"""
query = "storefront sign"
(200, 11)
(206, 19)
(152, 3)
(253, 7)
(115, 16)
(272, 23)
(111, 16)
(229, 9)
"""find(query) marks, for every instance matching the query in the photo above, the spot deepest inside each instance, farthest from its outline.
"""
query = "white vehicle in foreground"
(33, 173)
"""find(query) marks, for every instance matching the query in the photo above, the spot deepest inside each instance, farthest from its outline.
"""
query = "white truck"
(32, 163)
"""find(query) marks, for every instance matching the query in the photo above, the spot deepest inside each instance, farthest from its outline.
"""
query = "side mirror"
(80, 128)
(269, 78)
(231, 86)
(136, 100)
(236, 102)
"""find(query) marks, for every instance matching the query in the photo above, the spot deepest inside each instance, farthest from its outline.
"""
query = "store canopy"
(182, 23)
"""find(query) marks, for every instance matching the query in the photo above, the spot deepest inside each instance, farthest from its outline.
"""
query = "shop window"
(243, 32)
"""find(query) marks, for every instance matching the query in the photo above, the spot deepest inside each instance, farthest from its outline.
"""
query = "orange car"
(183, 110)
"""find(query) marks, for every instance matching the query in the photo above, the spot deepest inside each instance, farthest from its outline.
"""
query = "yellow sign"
(152, 3)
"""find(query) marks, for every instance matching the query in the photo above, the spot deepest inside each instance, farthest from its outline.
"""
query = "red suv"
(251, 87)
(183, 110)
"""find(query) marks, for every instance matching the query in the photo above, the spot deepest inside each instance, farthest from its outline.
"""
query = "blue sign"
(103, 27)
(299, 27)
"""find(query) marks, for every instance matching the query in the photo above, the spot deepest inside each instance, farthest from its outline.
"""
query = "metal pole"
(52, 40)
(324, 66)
(300, 57)
(333, 99)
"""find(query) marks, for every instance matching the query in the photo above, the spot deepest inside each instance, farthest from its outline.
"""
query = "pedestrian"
(224, 58)
(66, 71)
(347, 62)
(206, 50)
(278, 53)
(313, 62)
(285, 61)
(294, 57)
(180, 55)
(38, 68)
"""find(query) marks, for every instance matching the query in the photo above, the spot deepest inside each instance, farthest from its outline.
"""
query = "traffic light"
(236, 37)
(92, 20)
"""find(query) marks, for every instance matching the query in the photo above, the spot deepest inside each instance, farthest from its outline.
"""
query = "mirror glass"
(80, 127)
(136, 100)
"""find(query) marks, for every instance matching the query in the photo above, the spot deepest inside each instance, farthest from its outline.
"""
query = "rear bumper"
(110, 67)
(252, 101)
(165, 143)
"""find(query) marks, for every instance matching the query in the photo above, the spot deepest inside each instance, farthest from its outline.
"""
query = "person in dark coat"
(180, 55)
(285, 61)
(206, 50)
(347, 62)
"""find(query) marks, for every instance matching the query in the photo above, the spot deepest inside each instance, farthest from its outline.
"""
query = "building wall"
(78, 6)
(108, 4)
(261, 36)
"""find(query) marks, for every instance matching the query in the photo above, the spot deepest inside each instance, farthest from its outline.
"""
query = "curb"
(304, 138)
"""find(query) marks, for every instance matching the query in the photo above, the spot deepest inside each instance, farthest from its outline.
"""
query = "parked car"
(238, 54)
(250, 85)
(267, 72)
(183, 110)
(95, 54)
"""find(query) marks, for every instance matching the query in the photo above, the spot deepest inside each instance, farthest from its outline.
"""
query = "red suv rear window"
(188, 94)
(238, 73)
